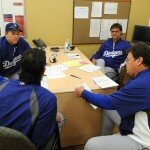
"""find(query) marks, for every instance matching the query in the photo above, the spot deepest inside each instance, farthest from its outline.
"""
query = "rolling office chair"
(124, 77)
(11, 139)
(54, 143)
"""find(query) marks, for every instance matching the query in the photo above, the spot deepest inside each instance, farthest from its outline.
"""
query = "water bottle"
(69, 45)
(66, 47)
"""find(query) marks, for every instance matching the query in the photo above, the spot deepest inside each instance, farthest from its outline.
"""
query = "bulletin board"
(12, 11)
(81, 26)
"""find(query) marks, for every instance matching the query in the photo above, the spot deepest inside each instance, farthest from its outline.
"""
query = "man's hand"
(58, 117)
(94, 61)
(79, 90)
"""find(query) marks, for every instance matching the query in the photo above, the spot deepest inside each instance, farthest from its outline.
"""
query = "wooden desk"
(83, 122)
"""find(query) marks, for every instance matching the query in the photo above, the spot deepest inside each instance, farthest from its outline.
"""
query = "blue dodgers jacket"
(10, 55)
(132, 102)
(30, 109)
(113, 54)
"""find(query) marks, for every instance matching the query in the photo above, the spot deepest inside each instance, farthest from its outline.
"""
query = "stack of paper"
(55, 74)
(60, 67)
(104, 82)
(74, 63)
(89, 68)
(44, 82)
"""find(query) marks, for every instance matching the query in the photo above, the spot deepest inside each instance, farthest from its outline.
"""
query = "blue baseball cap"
(13, 27)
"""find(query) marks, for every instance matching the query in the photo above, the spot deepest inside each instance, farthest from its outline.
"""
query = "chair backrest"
(124, 77)
(11, 139)
(54, 143)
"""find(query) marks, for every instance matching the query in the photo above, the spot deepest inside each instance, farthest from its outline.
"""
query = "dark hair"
(32, 64)
(141, 50)
(116, 25)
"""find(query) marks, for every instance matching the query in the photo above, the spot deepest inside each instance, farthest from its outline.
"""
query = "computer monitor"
(141, 34)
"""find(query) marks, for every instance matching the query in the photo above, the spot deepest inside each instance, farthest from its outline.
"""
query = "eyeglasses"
(128, 59)
(115, 31)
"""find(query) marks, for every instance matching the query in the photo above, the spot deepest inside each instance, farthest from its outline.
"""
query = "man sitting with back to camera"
(132, 103)
(112, 53)
(25, 105)
(12, 47)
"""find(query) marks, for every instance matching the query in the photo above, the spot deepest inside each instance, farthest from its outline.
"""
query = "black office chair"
(124, 77)
(54, 143)
(11, 139)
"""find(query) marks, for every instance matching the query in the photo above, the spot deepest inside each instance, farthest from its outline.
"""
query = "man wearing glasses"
(12, 46)
(132, 104)
(112, 52)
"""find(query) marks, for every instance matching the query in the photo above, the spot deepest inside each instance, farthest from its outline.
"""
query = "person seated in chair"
(112, 53)
(12, 47)
(131, 103)
(25, 105)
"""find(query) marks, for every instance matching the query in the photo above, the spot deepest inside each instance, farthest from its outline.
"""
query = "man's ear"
(140, 61)
(42, 72)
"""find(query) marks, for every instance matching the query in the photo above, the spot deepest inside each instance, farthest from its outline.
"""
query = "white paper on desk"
(59, 67)
(44, 82)
(73, 56)
(104, 82)
(55, 74)
(88, 89)
(89, 68)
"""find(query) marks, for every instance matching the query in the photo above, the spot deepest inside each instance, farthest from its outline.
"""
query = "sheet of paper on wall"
(73, 56)
(89, 68)
(96, 9)
(123, 22)
(59, 67)
(81, 12)
(105, 28)
(88, 89)
(10, 12)
(104, 82)
(44, 82)
(110, 8)
(2, 28)
(95, 27)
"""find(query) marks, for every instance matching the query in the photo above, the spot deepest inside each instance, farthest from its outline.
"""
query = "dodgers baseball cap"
(13, 27)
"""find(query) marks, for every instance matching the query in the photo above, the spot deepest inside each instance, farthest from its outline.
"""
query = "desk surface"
(68, 83)
(83, 122)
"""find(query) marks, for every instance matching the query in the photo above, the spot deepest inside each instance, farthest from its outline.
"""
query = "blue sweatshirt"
(132, 102)
(10, 55)
(30, 109)
(113, 54)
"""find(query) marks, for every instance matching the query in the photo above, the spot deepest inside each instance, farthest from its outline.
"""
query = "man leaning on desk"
(112, 53)
(132, 103)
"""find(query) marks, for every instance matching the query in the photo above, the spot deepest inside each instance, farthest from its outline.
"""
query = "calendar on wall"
(12, 11)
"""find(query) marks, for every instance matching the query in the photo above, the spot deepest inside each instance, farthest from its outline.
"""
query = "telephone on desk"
(39, 43)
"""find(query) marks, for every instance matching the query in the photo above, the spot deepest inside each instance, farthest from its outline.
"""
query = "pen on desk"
(75, 76)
